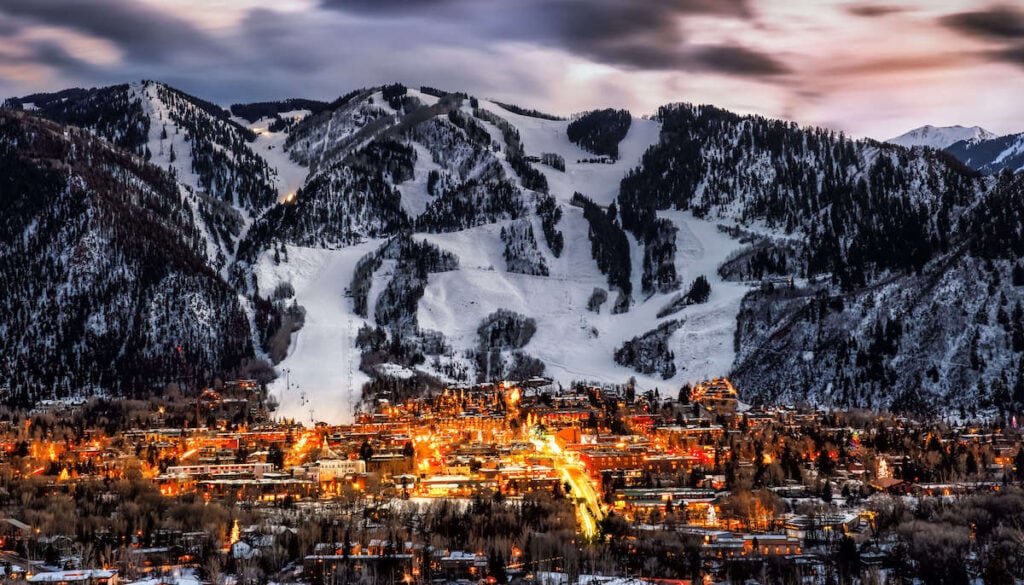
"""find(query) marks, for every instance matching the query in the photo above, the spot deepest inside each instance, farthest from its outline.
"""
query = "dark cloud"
(142, 32)
(1013, 55)
(57, 57)
(325, 54)
(874, 10)
(998, 23)
(8, 26)
(272, 41)
(645, 36)
(631, 34)
(648, 35)
(738, 60)
(387, 6)
(420, 7)
(53, 54)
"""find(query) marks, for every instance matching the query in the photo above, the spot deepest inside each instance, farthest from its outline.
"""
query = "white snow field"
(704, 344)
(576, 344)
(415, 197)
(320, 378)
(177, 142)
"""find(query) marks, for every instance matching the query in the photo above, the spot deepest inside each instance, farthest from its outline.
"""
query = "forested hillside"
(105, 285)
(903, 261)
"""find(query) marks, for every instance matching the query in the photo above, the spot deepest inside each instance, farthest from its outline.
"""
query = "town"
(510, 482)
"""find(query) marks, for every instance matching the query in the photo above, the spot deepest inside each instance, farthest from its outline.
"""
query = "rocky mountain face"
(440, 238)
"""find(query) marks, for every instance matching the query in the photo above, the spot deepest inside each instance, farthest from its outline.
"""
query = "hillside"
(106, 287)
(224, 181)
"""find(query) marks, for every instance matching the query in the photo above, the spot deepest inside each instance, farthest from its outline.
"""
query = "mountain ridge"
(384, 183)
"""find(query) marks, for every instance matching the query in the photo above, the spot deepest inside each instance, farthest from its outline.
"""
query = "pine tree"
(700, 290)
(1018, 274)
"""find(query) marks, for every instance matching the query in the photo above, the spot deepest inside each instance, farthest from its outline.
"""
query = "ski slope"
(270, 145)
(177, 142)
(320, 378)
(599, 182)
(574, 343)
(415, 198)
(704, 345)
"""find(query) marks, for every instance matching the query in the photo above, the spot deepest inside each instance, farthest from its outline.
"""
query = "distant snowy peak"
(941, 137)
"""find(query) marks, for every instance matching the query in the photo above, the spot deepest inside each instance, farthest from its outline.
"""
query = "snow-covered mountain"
(407, 239)
(941, 136)
(991, 156)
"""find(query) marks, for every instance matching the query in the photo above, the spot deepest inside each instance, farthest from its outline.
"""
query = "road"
(589, 508)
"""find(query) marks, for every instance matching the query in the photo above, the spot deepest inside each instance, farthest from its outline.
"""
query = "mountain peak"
(941, 136)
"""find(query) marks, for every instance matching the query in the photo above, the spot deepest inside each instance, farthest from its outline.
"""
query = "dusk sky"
(872, 69)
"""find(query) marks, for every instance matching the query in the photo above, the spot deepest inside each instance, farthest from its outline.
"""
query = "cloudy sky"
(871, 69)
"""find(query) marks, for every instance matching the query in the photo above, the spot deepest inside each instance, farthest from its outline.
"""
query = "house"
(717, 396)
(176, 579)
(83, 577)
(338, 469)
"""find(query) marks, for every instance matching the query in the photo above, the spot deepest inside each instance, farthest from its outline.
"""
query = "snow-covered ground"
(426, 98)
(941, 137)
(177, 142)
(551, 578)
(177, 138)
(576, 344)
(323, 381)
(415, 197)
